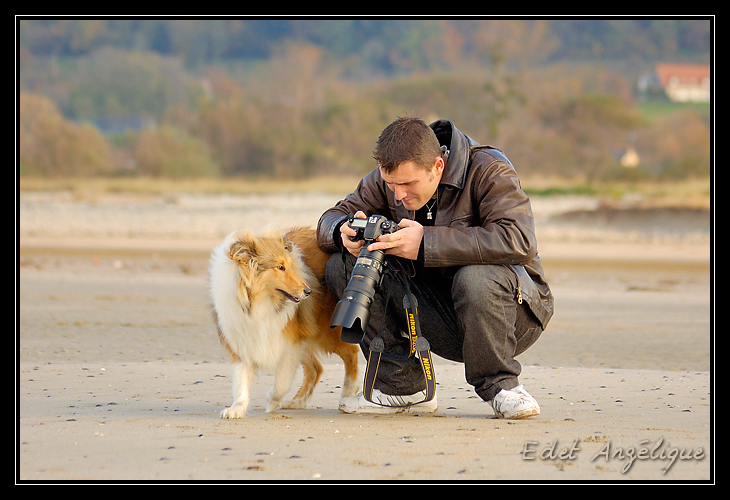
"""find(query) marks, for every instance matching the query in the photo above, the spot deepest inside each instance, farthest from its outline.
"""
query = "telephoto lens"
(353, 310)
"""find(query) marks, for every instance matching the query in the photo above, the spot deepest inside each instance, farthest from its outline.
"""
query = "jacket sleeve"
(369, 196)
(504, 232)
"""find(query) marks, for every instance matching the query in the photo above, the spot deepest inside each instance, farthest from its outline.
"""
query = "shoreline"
(552, 251)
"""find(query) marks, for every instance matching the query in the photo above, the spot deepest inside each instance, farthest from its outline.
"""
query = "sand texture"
(120, 376)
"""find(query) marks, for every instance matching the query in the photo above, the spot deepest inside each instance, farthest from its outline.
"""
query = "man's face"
(413, 185)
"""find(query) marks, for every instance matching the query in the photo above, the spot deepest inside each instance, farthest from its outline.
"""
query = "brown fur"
(322, 304)
(259, 255)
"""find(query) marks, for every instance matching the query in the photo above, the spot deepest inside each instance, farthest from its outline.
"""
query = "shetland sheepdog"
(272, 310)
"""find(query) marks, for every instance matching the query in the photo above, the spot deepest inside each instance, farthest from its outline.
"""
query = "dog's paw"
(294, 404)
(350, 388)
(272, 405)
(235, 411)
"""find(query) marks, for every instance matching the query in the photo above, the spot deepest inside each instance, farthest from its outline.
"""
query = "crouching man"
(468, 240)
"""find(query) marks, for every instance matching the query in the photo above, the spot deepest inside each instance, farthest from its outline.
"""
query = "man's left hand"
(403, 243)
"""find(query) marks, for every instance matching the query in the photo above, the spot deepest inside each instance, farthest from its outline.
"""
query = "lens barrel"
(353, 310)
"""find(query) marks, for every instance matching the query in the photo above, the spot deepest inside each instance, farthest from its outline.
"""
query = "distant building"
(630, 158)
(685, 82)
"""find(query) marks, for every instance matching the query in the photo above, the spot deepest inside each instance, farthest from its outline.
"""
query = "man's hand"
(346, 231)
(403, 243)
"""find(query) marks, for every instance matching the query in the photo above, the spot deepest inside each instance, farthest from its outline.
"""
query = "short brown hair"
(406, 139)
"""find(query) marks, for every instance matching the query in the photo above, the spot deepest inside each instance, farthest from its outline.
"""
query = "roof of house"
(685, 73)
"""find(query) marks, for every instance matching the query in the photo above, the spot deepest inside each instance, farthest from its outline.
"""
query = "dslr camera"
(353, 310)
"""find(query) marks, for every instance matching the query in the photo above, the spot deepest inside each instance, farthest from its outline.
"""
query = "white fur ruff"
(253, 331)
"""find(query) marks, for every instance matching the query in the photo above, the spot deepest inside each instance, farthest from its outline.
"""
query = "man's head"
(410, 162)
(406, 139)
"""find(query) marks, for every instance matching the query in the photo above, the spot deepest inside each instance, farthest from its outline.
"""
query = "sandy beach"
(120, 377)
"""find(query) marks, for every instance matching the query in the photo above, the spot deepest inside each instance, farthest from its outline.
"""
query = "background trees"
(300, 97)
(53, 146)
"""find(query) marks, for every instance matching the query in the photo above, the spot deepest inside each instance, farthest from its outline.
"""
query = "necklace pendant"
(429, 216)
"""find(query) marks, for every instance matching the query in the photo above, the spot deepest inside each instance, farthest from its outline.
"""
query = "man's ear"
(438, 166)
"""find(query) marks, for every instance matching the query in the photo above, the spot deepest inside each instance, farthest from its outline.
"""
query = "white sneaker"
(389, 404)
(514, 403)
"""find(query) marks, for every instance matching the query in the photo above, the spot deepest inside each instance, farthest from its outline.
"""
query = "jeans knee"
(335, 274)
(478, 282)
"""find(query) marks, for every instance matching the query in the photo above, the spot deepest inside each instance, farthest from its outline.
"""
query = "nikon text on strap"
(418, 345)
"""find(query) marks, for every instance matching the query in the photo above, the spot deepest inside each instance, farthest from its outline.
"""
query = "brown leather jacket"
(483, 216)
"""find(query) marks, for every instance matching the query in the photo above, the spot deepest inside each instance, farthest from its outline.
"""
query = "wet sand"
(120, 376)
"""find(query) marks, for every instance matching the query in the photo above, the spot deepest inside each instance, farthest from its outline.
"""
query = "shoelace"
(391, 400)
(514, 397)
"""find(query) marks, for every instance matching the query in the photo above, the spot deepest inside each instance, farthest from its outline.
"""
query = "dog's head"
(269, 267)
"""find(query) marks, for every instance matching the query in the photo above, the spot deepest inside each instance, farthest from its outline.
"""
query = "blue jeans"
(473, 318)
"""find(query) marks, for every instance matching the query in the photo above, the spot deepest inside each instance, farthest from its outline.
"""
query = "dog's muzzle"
(306, 292)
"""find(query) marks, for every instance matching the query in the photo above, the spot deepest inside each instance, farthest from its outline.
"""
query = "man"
(467, 234)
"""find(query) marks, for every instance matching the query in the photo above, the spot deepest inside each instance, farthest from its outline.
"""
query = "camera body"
(371, 228)
(353, 310)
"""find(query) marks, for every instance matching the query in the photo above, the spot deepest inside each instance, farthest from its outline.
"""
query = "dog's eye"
(281, 268)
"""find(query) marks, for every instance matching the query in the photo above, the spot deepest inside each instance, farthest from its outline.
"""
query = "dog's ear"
(244, 251)
(288, 245)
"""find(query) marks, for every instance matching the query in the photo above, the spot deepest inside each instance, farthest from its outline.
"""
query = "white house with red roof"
(685, 82)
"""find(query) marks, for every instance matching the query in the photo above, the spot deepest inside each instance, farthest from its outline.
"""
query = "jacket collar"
(459, 146)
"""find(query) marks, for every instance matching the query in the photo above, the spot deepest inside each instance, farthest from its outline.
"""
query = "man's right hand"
(346, 231)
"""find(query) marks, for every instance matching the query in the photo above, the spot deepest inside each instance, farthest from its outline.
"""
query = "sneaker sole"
(389, 410)
(523, 414)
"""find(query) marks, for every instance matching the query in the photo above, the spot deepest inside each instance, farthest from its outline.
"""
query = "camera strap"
(419, 346)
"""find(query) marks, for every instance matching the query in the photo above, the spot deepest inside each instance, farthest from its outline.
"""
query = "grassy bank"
(691, 193)
(694, 193)
(154, 186)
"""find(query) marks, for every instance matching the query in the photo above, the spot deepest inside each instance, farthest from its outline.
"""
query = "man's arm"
(506, 234)
(368, 197)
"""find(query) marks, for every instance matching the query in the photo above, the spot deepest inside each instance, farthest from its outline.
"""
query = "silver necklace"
(429, 215)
